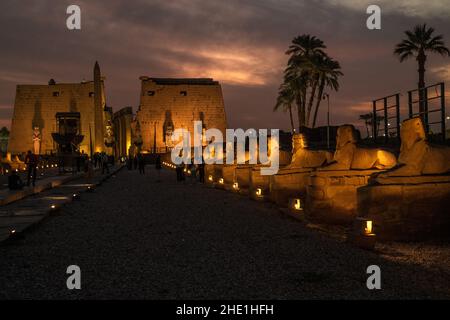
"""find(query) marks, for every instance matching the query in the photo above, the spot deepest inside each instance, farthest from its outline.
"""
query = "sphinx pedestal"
(288, 183)
(407, 208)
(331, 196)
(242, 175)
(213, 172)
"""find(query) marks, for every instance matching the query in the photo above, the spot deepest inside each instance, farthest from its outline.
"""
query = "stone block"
(331, 196)
(408, 211)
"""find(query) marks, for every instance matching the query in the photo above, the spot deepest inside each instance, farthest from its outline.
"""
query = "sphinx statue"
(410, 201)
(302, 157)
(417, 156)
(349, 156)
(290, 181)
(332, 189)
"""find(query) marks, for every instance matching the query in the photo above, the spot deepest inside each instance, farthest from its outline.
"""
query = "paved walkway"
(21, 209)
(137, 238)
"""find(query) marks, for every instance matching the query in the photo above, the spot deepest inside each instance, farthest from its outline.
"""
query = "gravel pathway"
(137, 238)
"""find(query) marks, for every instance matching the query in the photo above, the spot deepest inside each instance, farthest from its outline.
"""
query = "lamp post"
(327, 96)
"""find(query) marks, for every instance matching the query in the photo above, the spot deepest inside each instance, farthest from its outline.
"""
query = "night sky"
(239, 43)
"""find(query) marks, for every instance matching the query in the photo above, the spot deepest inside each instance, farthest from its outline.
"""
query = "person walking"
(96, 160)
(14, 181)
(141, 163)
(158, 167)
(89, 171)
(104, 161)
(193, 175)
(179, 171)
(31, 162)
(201, 172)
(136, 161)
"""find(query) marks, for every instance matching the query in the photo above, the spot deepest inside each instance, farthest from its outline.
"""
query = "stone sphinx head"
(299, 142)
(412, 131)
(346, 134)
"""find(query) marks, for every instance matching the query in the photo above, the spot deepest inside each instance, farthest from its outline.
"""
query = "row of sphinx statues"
(406, 193)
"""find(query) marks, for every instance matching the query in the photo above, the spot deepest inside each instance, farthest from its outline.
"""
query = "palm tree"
(301, 68)
(308, 72)
(296, 80)
(418, 42)
(329, 71)
(367, 117)
(285, 101)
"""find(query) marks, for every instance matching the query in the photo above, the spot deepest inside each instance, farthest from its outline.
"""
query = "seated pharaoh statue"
(349, 156)
(290, 181)
(410, 201)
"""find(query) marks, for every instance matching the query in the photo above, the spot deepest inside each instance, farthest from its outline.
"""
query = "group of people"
(136, 162)
(82, 162)
(102, 160)
(14, 180)
(139, 162)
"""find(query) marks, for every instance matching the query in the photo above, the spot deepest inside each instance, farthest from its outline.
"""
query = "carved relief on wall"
(168, 128)
(36, 140)
(109, 134)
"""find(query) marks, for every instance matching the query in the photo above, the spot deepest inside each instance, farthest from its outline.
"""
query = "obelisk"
(98, 110)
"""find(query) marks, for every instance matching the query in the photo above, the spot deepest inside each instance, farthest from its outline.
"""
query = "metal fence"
(421, 102)
(388, 114)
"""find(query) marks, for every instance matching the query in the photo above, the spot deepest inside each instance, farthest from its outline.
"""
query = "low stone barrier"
(407, 208)
(288, 183)
(332, 195)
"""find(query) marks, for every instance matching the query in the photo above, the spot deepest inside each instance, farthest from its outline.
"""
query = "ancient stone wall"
(122, 130)
(37, 105)
(169, 104)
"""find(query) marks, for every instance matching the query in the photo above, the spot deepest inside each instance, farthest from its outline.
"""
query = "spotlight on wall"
(258, 192)
(221, 181)
(210, 178)
(236, 186)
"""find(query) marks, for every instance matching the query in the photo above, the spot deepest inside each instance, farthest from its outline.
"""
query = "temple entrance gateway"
(67, 137)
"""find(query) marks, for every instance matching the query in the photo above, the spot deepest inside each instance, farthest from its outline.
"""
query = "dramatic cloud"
(415, 8)
(241, 43)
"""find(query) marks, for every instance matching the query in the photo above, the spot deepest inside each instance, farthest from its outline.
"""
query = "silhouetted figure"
(179, 171)
(83, 158)
(141, 163)
(14, 181)
(104, 161)
(201, 172)
(89, 171)
(158, 167)
(193, 173)
(135, 162)
(96, 159)
(31, 162)
(78, 161)
(129, 163)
